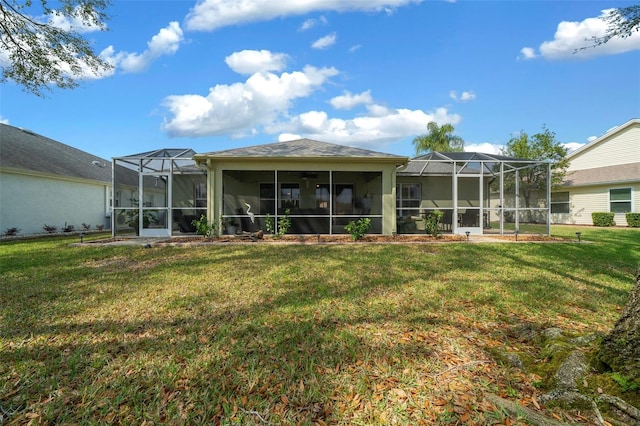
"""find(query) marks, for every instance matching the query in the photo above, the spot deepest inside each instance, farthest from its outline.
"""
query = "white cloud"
(354, 48)
(571, 36)
(75, 22)
(592, 138)
(485, 147)
(463, 97)
(370, 131)
(255, 61)
(348, 100)
(166, 42)
(288, 137)
(239, 108)
(572, 146)
(324, 42)
(208, 15)
(310, 23)
(528, 52)
(4, 120)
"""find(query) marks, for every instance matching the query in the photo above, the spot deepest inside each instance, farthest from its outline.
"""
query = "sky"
(220, 74)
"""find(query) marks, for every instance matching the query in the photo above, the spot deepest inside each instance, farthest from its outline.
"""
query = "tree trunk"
(620, 349)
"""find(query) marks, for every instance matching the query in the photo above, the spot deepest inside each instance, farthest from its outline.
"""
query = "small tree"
(540, 146)
(439, 138)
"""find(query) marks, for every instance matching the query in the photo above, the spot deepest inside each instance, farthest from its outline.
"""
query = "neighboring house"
(43, 181)
(321, 187)
(603, 176)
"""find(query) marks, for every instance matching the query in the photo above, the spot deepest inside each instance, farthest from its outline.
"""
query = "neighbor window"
(620, 200)
(560, 202)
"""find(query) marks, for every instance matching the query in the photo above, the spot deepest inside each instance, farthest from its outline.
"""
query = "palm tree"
(439, 138)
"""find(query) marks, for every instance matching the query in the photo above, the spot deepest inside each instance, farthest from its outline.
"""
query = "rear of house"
(45, 182)
(322, 187)
(603, 176)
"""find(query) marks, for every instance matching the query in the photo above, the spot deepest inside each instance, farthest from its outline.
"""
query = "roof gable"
(301, 148)
(26, 151)
(602, 139)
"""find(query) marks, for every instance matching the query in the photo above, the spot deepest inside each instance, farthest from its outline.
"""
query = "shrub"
(602, 219)
(359, 228)
(99, 227)
(11, 232)
(432, 223)
(68, 228)
(204, 228)
(50, 228)
(86, 226)
(633, 220)
(284, 223)
(270, 223)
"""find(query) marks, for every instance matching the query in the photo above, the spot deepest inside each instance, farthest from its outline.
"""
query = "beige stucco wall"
(388, 170)
(28, 202)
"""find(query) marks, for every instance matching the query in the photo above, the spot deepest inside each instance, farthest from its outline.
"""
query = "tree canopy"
(539, 146)
(438, 138)
(621, 22)
(41, 47)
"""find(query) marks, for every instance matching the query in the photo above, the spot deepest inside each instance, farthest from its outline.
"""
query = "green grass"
(335, 334)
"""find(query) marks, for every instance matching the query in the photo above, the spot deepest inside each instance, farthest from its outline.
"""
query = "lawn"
(296, 334)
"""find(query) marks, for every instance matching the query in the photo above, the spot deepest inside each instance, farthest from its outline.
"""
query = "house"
(321, 187)
(45, 182)
(603, 176)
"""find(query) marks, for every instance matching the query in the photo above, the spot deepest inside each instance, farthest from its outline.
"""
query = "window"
(343, 201)
(560, 202)
(620, 200)
(267, 198)
(200, 194)
(289, 195)
(322, 196)
(408, 197)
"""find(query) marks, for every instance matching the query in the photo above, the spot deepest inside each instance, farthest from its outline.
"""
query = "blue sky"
(219, 74)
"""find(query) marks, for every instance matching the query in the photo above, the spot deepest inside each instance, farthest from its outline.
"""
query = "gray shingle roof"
(603, 175)
(302, 148)
(27, 151)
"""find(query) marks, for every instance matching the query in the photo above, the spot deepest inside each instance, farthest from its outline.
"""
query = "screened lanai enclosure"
(316, 202)
(322, 187)
(158, 193)
(476, 193)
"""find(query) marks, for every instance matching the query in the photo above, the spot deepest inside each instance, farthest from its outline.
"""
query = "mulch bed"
(333, 239)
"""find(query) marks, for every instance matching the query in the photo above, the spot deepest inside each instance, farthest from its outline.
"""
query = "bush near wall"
(602, 219)
(633, 220)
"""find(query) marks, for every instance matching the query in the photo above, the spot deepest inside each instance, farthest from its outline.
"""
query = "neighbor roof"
(302, 149)
(25, 151)
(620, 173)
